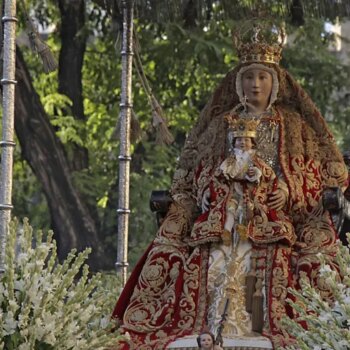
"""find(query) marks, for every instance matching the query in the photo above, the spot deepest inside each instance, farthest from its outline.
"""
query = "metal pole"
(8, 102)
(124, 152)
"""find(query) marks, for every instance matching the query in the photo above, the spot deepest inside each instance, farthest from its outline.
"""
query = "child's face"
(244, 143)
(206, 342)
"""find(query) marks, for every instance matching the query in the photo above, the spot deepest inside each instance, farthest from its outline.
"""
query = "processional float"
(333, 198)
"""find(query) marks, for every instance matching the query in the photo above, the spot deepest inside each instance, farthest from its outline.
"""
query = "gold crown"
(241, 127)
(257, 49)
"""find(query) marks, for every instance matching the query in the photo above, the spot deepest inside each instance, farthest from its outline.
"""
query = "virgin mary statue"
(278, 230)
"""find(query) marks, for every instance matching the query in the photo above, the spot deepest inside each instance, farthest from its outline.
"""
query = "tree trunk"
(73, 45)
(41, 148)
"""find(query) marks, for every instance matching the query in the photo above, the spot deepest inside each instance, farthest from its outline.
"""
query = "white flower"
(24, 332)
(13, 306)
(346, 299)
(22, 257)
(44, 311)
(104, 322)
(39, 329)
(50, 338)
(325, 268)
(81, 344)
(344, 343)
(25, 346)
(9, 324)
(324, 317)
(19, 285)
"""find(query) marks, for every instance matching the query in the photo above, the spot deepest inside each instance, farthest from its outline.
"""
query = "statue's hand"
(277, 200)
(218, 347)
(206, 201)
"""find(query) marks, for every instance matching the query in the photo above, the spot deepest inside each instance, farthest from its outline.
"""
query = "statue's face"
(257, 87)
(243, 143)
(206, 342)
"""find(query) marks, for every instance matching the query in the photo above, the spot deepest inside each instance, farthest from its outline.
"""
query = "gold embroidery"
(150, 310)
(226, 279)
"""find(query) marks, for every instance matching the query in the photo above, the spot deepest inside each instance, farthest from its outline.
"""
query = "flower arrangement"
(47, 305)
(328, 323)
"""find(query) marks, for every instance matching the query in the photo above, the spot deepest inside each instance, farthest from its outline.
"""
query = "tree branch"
(41, 148)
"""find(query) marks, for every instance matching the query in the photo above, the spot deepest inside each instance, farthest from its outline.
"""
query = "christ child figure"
(235, 204)
(252, 182)
(241, 168)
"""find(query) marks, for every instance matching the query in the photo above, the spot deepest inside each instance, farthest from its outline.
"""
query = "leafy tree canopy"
(183, 61)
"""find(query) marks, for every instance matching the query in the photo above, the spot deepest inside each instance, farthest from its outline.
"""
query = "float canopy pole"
(7, 144)
(124, 152)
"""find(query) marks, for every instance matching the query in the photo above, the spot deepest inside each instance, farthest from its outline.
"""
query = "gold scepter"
(219, 340)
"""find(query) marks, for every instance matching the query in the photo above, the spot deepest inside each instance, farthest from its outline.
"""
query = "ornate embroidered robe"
(166, 296)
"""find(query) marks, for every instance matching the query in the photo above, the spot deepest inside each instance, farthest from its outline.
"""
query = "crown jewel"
(258, 49)
(241, 127)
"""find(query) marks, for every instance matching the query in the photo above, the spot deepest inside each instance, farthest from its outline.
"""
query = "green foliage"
(28, 195)
(322, 74)
(48, 305)
(183, 65)
(201, 10)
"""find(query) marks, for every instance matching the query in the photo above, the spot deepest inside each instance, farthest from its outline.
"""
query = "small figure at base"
(206, 341)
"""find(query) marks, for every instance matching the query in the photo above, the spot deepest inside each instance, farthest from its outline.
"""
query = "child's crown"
(241, 127)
